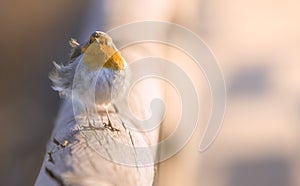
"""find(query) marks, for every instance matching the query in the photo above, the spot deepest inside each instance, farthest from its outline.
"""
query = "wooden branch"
(77, 156)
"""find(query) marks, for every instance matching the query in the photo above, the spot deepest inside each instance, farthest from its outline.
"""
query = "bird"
(95, 76)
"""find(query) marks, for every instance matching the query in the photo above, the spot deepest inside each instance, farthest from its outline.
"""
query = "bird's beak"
(96, 40)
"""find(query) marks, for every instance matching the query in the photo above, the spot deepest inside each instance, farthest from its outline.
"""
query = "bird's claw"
(110, 127)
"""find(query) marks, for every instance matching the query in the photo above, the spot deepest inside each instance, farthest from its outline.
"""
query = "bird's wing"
(62, 77)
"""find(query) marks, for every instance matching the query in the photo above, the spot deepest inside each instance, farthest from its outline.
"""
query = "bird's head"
(100, 51)
(100, 39)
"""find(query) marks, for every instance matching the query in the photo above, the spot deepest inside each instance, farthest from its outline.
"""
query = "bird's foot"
(110, 127)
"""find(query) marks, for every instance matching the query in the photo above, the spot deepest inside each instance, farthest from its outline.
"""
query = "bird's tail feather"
(59, 81)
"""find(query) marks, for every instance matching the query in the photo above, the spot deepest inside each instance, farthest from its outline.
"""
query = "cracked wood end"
(83, 156)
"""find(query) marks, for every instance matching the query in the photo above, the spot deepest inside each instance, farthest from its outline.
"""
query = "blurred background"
(255, 42)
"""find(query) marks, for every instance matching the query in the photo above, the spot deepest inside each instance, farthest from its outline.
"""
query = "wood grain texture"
(82, 156)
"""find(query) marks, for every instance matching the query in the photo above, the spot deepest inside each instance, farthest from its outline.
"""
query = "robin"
(95, 75)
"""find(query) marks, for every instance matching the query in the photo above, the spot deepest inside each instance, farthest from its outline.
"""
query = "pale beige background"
(255, 42)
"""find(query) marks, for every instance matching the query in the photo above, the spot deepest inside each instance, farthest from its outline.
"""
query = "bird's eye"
(96, 34)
